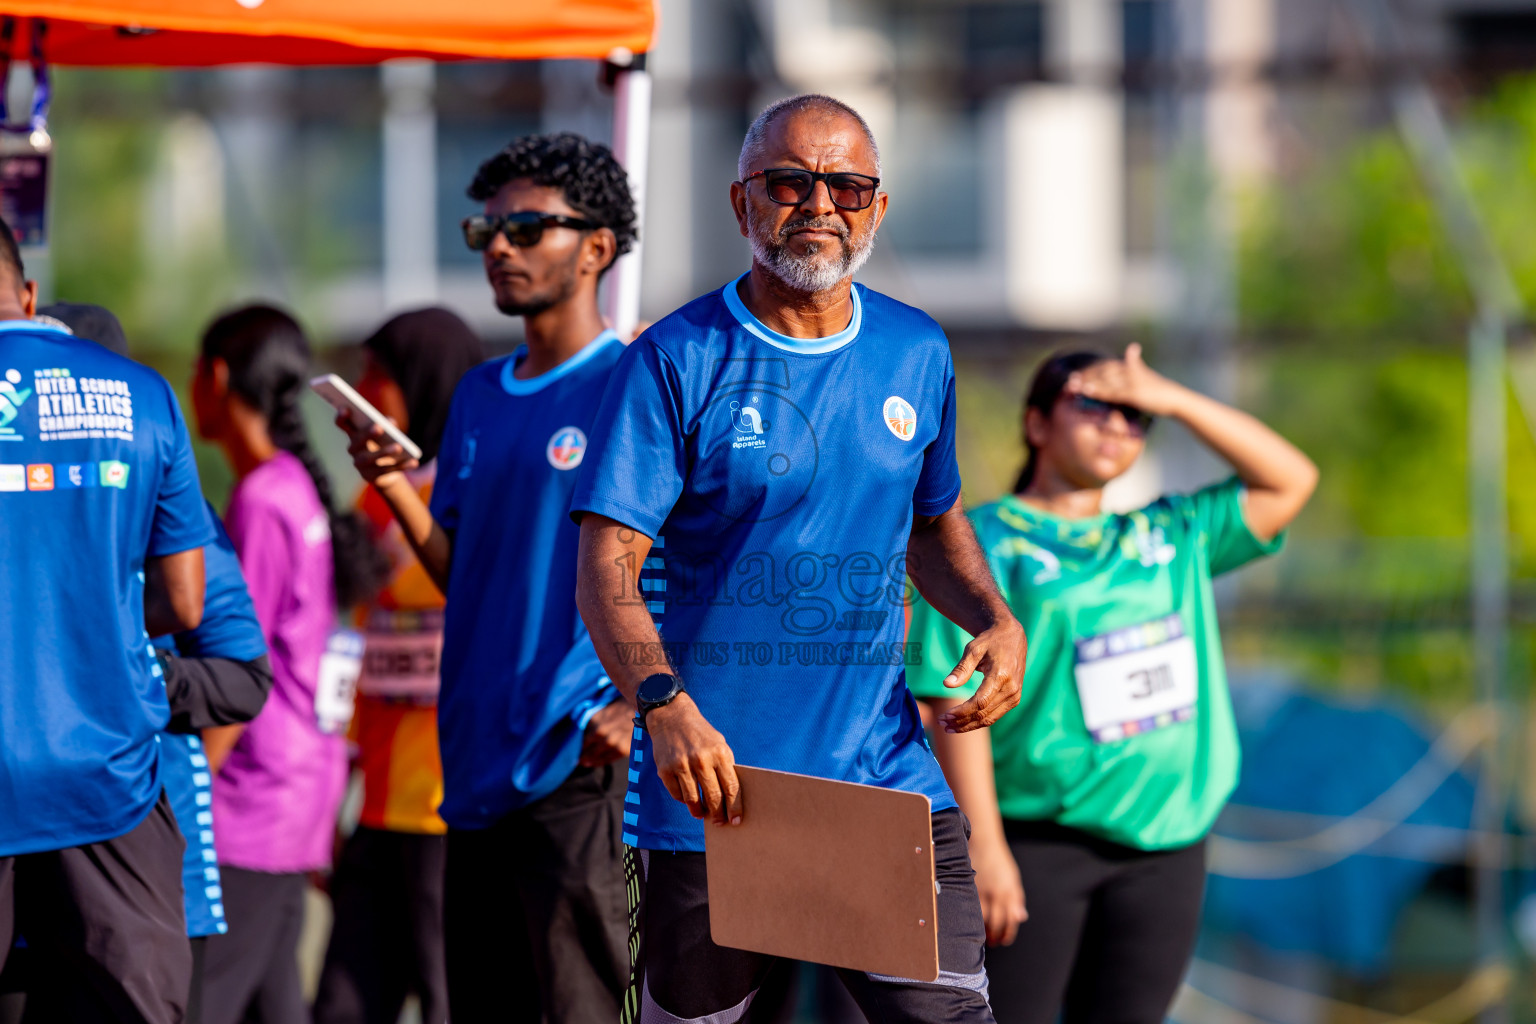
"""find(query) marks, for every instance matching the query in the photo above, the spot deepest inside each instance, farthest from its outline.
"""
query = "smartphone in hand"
(344, 398)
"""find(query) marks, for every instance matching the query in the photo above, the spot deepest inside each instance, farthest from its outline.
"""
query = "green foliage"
(1348, 280)
(1348, 275)
(113, 140)
(1388, 433)
(100, 166)
(1498, 148)
(989, 400)
(1354, 247)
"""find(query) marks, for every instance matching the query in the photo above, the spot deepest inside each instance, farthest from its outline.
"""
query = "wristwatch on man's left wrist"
(656, 691)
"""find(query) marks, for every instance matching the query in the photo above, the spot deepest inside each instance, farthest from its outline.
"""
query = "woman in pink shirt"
(280, 778)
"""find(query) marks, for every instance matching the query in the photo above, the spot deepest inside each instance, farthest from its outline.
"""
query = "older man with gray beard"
(769, 464)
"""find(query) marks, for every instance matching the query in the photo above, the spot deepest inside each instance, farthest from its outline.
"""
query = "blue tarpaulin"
(1309, 762)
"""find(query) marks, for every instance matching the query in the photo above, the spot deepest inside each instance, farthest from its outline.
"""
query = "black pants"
(681, 976)
(387, 939)
(195, 996)
(534, 909)
(1109, 934)
(251, 974)
(104, 925)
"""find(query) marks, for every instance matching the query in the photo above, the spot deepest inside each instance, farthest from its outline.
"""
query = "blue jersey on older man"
(779, 477)
(520, 680)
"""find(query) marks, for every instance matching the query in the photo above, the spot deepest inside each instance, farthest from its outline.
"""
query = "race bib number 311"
(1137, 679)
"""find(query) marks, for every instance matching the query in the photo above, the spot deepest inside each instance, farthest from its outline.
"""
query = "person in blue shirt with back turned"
(102, 528)
(215, 675)
(769, 464)
(531, 729)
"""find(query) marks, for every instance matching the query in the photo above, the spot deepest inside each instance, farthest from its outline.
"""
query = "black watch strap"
(656, 691)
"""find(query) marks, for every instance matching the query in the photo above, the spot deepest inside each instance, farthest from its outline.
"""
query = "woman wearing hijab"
(387, 940)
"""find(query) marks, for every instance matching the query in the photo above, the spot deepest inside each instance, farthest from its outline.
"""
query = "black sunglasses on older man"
(791, 186)
(523, 230)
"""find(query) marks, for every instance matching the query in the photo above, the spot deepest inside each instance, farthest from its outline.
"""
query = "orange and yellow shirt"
(395, 724)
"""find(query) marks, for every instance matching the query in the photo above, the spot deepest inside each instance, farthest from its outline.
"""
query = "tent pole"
(1499, 306)
(410, 183)
(631, 144)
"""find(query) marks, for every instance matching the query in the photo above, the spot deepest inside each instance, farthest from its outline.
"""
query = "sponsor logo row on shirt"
(45, 476)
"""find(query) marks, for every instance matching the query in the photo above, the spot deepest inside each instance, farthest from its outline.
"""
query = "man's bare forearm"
(692, 760)
(173, 592)
(951, 572)
(608, 564)
(432, 544)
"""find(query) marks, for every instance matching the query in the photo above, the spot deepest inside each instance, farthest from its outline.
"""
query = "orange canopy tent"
(199, 33)
(203, 33)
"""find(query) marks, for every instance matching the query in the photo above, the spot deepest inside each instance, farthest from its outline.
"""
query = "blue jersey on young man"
(96, 475)
(229, 630)
(779, 477)
(520, 679)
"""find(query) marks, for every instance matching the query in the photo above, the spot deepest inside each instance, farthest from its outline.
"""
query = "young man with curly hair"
(534, 736)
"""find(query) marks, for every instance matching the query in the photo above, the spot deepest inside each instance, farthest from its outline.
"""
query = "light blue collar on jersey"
(806, 346)
(31, 325)
(513, 386)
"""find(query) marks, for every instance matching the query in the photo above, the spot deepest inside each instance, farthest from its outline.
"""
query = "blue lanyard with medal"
(25, 148)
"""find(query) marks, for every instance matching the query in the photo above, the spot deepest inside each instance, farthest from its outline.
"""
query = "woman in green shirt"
(1095, 794)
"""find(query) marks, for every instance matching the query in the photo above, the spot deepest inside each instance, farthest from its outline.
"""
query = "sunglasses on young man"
(791, 186)
(1136, 420)
(524, 230)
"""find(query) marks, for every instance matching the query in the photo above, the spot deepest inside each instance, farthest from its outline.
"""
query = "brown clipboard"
(831, 872)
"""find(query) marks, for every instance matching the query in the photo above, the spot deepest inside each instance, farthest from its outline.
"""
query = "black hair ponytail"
(269, 363)
(1044, 391)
